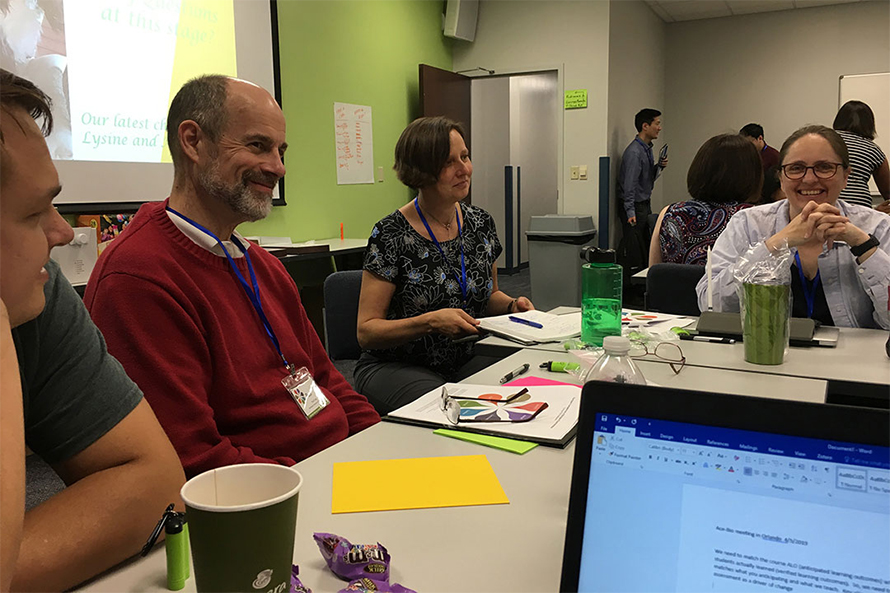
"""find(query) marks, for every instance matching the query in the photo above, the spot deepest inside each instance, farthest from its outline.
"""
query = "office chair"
(670, 288)
(341, 294)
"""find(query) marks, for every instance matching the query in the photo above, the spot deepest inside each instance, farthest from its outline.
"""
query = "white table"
(518, 545)
(690, 377)
(859, 357)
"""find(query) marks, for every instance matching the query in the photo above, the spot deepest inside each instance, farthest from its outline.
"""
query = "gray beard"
(239, 197)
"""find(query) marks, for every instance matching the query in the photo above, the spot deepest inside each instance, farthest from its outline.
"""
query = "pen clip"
(157, 531)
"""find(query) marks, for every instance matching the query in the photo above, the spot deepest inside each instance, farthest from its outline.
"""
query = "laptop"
(804, 332)
(676, 490)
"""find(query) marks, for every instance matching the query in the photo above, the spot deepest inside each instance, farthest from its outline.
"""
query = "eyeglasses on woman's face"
(822, 170)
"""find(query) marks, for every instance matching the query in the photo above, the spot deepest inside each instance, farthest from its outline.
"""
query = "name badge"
(304, 391)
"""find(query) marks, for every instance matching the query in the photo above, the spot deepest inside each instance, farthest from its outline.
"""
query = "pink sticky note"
(537, 382)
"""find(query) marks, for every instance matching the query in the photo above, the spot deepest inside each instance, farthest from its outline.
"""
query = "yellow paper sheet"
(429, 482)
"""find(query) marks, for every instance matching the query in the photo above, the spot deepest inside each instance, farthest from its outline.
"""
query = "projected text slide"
(125, 61)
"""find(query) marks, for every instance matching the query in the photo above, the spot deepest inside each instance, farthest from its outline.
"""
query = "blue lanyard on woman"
(808, 293)
(462, 279)
(253, 293)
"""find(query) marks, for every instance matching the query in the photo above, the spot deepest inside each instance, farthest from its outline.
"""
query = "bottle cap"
(595, 255)
(618, 344)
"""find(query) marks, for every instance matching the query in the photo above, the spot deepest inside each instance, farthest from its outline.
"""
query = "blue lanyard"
(462, 279)
(808, 293)
(252, 289)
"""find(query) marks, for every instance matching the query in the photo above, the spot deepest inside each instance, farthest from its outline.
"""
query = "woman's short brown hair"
(834, 139)
(726, 168)
(423, 149)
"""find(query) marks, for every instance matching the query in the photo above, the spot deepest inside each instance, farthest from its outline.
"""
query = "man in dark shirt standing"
(768, 154)
(637, 178)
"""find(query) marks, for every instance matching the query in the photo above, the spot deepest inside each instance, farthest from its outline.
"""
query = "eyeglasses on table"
(666, 351)
(450, 405)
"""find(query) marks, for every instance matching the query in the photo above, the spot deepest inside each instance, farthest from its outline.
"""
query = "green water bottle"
(601, 285)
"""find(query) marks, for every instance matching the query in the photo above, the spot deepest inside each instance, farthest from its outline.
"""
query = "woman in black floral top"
(429, 272)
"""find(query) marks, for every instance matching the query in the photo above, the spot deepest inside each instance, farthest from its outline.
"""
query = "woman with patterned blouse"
(429, 272)
(725, 176)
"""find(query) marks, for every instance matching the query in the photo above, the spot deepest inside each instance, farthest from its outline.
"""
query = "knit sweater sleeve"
(360, 414)
(157, 339)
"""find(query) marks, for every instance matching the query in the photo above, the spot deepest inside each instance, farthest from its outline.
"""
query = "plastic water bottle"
(601, 286)
(887, 345)
(615, 365)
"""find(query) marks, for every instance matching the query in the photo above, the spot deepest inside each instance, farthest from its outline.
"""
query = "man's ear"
(191, 139)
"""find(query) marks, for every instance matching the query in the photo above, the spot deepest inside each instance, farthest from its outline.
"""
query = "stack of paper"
(554, 426)
(554, 327)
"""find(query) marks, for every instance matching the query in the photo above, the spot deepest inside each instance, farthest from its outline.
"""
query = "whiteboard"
(874, 90)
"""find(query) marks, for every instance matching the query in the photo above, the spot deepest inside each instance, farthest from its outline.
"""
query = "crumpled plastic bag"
(773, 270)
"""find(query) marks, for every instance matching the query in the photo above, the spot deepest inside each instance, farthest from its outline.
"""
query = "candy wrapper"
(353, 561)
(366, 585)
(295, 585)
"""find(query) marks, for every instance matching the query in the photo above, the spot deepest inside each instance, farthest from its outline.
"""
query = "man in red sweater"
(209, 325)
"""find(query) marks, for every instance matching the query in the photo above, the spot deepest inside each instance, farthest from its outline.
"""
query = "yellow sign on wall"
(576, 99)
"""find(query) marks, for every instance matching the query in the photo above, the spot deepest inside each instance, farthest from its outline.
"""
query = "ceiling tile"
(813, 3)
(753, 6)
(658, 10)
(671, 11)
(683, 10)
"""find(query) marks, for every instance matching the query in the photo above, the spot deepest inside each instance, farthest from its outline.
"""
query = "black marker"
(515, 373)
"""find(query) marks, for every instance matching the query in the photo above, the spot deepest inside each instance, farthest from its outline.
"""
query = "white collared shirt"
(205, 241)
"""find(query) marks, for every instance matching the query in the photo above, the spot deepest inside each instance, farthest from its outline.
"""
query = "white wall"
(519, 36)
(779, 69)
(491, 147)
(636, 80)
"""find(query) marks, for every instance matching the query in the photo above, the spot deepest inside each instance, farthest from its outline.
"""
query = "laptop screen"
(678, 506)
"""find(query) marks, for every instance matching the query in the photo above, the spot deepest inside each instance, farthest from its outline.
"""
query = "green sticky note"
(511, 445)
(576, 99)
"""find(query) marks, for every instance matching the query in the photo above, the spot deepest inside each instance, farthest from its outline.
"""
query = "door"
(516, 156)
(445, 93)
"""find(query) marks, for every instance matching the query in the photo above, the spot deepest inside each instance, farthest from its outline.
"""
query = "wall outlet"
(576, 173)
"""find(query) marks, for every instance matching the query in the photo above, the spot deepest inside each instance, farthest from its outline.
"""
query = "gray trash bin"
(554, 244)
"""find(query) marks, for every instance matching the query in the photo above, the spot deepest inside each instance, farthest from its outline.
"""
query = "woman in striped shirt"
(855, 122)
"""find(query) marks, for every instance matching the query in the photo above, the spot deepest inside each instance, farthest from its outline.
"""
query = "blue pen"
(526, 322)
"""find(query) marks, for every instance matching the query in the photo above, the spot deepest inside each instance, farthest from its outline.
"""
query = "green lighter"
(176, 536)
(177, 542)
(560, 367)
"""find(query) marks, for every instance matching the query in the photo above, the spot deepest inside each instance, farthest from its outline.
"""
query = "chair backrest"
(670, 288)
(341, 294)
(651, 220)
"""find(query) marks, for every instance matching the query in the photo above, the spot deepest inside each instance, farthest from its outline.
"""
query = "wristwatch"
(860, 249)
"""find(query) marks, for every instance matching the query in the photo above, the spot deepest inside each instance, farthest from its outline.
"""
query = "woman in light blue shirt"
(841, 271)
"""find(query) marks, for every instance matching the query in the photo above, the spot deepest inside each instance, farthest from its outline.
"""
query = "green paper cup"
(765, 322)
(241, 521)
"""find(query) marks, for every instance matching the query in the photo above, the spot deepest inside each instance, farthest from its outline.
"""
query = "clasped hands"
(819, 223)
(456, 323)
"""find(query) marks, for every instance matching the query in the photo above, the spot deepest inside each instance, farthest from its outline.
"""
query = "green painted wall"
(350, 51)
